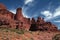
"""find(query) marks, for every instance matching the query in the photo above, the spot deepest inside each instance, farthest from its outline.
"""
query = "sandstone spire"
(19, 13)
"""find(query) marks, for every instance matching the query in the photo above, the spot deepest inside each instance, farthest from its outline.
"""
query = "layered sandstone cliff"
(18, 21)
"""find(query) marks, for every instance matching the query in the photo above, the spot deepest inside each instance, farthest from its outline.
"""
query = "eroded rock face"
(41, 25)
(33, 26)
(33, 21)
(47, 26)
(5, 13)
(17, 21)
(40, 20)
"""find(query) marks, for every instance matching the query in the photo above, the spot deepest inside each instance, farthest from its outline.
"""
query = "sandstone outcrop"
(18, 21)
(19, 15)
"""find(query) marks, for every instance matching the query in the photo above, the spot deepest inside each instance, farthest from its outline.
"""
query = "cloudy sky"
(48, 9)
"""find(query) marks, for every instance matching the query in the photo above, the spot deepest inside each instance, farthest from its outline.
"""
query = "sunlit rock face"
(17, 21)
(4, 12)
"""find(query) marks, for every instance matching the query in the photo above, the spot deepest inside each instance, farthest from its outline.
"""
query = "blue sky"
(48, 9)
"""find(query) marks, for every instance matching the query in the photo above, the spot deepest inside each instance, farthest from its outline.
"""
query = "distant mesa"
(18, 21)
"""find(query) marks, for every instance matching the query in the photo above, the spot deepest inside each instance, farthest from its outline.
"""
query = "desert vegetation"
(17, 34)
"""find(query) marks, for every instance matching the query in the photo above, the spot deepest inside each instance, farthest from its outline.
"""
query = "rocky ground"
(15, 34)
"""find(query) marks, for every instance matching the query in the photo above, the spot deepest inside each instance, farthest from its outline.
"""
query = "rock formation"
(18, 21)
(19, 15)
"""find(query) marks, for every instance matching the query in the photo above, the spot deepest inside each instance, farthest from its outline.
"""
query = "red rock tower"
(40, 20)
(19, 15)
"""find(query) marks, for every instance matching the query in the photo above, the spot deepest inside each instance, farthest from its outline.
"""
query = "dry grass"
(15, 34)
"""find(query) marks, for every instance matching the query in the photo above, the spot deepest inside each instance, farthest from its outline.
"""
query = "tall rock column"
(19, 15)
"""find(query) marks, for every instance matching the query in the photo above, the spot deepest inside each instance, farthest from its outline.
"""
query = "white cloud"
(25, 15)
(48, 15)
(13, 11)
(57, 21)
(25, 8)
(28, 1)
(57, 12)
